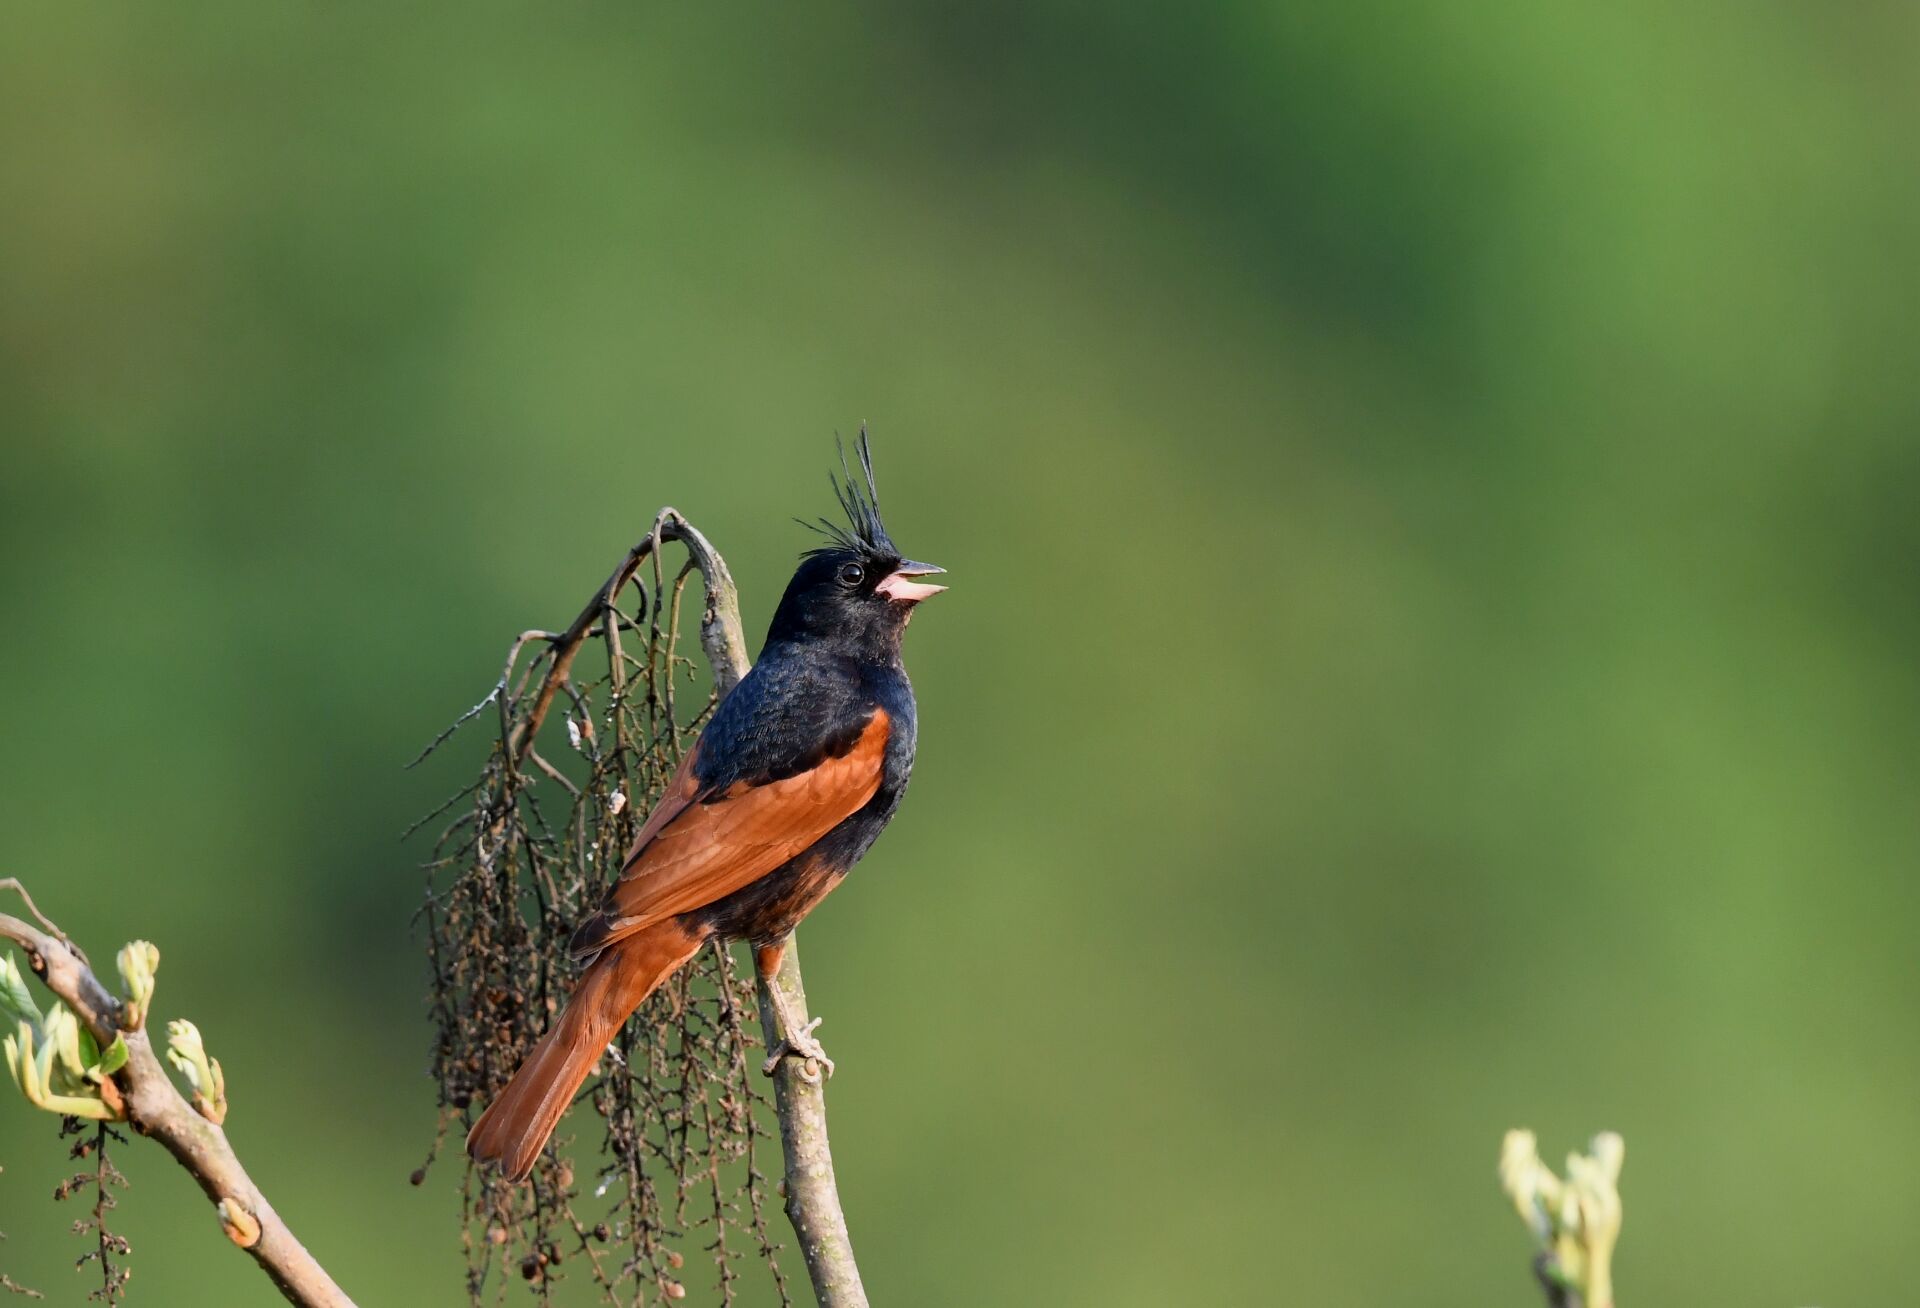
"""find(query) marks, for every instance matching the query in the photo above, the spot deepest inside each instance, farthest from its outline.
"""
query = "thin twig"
(12, 1286)
(553, 772)
(13, 884)
(456, 724)
(720, 631)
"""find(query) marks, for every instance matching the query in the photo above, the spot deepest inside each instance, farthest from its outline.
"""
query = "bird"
(796, 773)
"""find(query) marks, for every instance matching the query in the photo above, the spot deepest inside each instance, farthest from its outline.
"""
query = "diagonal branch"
(155, 1108)
(720, 633)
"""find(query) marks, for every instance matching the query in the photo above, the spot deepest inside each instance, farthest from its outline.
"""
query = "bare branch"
(813, 1194)
(720, 632)
(155, 1108)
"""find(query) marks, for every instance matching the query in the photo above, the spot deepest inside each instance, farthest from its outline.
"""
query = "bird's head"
(857, 590)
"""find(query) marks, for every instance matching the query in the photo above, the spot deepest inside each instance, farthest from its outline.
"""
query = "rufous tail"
(515, 1127)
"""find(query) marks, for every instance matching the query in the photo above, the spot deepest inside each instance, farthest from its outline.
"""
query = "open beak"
(900, 584)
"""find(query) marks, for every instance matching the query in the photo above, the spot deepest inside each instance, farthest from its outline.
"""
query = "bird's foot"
(800, 1044)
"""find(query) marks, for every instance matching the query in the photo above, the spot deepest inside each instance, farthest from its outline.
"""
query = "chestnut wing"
(698, 848)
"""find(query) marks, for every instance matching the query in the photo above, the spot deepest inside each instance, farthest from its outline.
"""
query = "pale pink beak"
(899, 584)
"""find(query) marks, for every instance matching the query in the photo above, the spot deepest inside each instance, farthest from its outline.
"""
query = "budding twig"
(131, 1084)
(1575, 1222)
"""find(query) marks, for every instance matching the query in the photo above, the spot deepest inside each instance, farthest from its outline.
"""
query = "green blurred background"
(1430, 492)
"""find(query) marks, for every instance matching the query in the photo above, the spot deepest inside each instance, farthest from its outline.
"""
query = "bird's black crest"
(865, 534)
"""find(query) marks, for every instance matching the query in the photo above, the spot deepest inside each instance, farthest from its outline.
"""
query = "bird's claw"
(800, 1044)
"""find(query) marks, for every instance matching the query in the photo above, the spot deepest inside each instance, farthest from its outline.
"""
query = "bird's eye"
(852, 574)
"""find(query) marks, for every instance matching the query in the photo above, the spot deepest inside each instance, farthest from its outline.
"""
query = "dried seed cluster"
(665, 1164)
